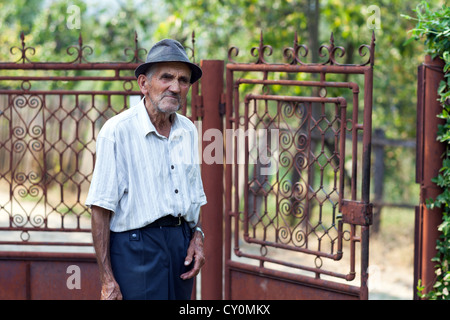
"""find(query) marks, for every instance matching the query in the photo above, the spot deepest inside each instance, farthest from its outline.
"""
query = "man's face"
(168, 86)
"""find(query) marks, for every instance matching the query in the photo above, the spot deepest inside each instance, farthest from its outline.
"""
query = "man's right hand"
(111, 291)
(100, 218)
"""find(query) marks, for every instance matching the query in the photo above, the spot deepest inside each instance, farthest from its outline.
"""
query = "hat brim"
(196, 71)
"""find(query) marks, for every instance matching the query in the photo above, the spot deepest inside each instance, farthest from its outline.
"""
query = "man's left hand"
(194, 252)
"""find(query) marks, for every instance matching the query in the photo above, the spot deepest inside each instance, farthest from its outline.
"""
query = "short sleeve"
(104, 191)
(200, 196)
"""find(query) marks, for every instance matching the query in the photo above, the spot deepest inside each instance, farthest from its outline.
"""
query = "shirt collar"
(148, 127)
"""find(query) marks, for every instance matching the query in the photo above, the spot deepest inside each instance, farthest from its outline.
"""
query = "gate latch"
(198, 105)
(356, 212)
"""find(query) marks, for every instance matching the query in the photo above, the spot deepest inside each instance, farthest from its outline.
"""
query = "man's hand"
(194, 252)
(111, 291)
(100, 235)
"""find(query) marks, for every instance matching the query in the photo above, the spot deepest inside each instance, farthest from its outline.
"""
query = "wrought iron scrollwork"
(232, 51)
(23, 50)
(298, 53)
(294, 54)
(371, 49)
(79, 51)
(192, 48)
(135, 50)
(332, 50)
(260, 51)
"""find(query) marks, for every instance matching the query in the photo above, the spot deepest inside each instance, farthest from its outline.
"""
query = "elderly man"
(146, 190)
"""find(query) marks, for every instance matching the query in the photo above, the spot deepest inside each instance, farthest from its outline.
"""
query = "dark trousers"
(147, 263)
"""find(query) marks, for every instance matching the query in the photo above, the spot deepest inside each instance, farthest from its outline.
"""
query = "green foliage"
(435, 27)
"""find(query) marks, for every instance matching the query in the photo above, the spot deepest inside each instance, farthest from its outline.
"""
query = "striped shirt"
(141, 175)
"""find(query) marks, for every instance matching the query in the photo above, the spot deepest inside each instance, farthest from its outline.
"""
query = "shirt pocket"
(192, 172)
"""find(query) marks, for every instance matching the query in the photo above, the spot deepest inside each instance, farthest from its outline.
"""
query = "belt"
(167, 221)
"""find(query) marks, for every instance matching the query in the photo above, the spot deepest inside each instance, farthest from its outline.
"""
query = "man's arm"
(195, 250)
(100, 236)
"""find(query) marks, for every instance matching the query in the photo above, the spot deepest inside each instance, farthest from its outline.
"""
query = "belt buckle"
(179, 220)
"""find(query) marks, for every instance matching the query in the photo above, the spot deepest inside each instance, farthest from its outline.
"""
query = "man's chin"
(169, 109)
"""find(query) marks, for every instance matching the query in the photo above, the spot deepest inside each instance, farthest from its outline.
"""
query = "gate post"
(429, 160)
(212, 176)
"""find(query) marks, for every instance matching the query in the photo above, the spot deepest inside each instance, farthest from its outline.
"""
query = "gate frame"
(21, 264)
(41, 274)
(351, 213)
(209, 106)
(429, 151)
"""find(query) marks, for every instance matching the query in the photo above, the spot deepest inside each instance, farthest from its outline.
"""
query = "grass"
(392, 255)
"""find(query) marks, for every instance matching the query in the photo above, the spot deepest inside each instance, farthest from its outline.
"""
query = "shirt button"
(172, 167)
(176, 190)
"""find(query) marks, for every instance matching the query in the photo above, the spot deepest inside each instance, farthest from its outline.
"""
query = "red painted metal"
(45, 276)
(47, 146)
(212, 176)
(257, 283)
(356, 212)
(429, 159)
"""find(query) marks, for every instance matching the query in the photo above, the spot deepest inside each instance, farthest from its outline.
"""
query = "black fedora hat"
(168, 50)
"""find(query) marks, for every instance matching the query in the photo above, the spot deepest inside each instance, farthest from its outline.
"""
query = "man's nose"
(175, 86)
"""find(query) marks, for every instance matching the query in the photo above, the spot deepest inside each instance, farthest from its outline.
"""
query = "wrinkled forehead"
(172, 67)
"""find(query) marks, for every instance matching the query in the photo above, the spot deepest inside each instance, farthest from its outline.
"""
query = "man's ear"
(142, 81)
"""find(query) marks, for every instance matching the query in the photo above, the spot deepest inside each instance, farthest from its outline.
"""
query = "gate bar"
(430, 152)
(69, 66)
(212, 212)
(340, 69)
(296, 278)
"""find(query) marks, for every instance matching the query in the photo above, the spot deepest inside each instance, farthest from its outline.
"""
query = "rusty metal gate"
(297, 180)
(50, 114)
(297, 165)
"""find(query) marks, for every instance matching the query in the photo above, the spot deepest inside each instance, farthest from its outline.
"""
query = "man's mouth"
(171, 97)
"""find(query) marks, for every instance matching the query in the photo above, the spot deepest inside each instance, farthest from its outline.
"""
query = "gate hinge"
(222, 105)
(198, 105)
(357, 212)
